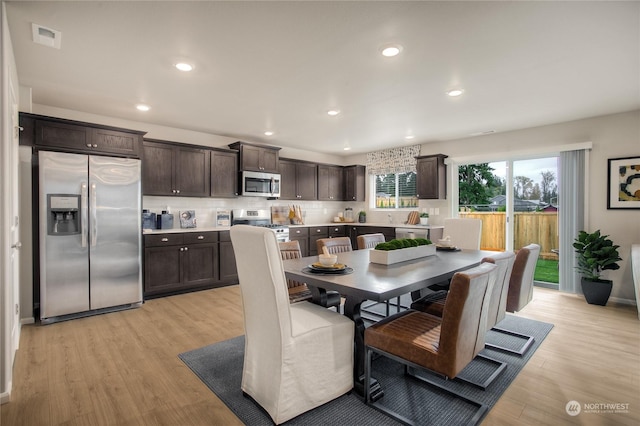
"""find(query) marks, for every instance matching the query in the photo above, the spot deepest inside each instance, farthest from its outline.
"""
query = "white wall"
(8, 297)
(613, 136)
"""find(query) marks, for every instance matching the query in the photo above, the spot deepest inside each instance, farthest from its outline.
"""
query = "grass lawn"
(547, 271)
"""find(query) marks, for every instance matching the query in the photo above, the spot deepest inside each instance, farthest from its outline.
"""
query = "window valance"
(393, 160)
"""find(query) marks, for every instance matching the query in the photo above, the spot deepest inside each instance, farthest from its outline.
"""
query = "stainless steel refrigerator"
(90, 234)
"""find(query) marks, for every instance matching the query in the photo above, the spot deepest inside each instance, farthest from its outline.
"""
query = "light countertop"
(226, 228)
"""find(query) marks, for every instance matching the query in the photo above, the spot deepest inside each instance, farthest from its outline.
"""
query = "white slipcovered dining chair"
(297, 356)
(464, 233)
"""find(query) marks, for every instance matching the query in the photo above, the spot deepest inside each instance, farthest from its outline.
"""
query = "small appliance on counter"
(165, 220)
(149, 220)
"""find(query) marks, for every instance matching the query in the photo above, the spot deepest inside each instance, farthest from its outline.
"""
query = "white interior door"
(14, 264)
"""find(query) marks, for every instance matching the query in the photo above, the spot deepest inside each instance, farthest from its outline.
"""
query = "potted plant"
(595, 253)
(362, 216)
(424, 218)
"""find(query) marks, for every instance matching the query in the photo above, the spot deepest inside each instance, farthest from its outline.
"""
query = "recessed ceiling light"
(409, 137)
(455, 92)
(347, 148)
(268, 133)
(143, 107)
(333, 112)
(183, 66)
(391, 50)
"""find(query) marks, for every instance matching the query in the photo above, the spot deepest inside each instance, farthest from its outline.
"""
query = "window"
(395, 191)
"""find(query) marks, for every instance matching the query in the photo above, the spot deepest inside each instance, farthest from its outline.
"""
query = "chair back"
(463, 330)
(498, 300)
(291, 250)
(265, 298)
(464, 233)
(334, 245)
(369, 240)
(521, 281)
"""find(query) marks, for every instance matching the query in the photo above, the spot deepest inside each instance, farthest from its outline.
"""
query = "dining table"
(363, 280)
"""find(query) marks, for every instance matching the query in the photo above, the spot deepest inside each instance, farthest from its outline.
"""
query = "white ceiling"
(281, 65)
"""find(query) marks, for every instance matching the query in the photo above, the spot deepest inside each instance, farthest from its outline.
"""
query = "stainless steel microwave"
(258, 184)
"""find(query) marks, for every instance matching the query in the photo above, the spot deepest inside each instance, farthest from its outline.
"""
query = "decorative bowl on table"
(327, 259)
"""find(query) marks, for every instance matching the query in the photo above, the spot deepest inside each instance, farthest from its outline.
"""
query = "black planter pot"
(596, 292)
(362, 218)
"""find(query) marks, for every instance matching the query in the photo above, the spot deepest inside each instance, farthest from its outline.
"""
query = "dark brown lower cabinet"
(228, 268)
(301, 235)
(181, 262)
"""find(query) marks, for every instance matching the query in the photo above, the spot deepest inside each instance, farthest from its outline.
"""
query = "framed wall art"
(623, 189)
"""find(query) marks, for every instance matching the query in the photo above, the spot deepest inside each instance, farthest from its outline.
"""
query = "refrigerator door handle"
(83, 213)
(92, 207)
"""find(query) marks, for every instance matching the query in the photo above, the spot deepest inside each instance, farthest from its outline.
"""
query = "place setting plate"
(336, 269)
(447, 248)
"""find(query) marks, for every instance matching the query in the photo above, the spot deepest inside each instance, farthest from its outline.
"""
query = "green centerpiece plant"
(402, 243)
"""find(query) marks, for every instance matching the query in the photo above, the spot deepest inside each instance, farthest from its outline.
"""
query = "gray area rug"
(219, 366)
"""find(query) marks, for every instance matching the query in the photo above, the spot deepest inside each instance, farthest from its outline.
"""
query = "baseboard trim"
(5, 396)
(623, 301)
(24, 321)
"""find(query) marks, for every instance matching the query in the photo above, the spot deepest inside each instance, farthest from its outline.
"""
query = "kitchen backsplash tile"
(205, 208)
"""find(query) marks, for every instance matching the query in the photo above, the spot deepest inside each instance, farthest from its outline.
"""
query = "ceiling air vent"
(46, 36)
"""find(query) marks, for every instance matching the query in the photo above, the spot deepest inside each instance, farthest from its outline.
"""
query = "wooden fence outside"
(528, 227)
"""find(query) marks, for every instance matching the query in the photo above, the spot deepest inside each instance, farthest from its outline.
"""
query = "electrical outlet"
(17, 309)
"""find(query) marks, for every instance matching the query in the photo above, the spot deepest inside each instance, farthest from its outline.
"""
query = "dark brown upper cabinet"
(431, 177)
(298, 180)
(354, 183)
(224, 174)
(171, 169)
(72, 136)
(330, 183)
(257, 158)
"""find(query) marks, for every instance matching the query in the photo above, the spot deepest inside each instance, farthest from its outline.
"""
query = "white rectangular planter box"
(401, 255)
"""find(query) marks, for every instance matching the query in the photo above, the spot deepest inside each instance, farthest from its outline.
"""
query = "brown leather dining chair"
(519, 294)
(334, 245)
(367, 241)
(442, 345)
(300, 291)
(434, 303)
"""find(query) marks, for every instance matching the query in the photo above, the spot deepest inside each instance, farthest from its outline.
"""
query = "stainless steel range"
(259, 218)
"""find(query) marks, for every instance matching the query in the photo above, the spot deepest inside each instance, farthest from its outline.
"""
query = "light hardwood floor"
(123, 368)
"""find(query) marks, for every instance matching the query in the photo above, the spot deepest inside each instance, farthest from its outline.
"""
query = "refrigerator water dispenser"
(63, 214)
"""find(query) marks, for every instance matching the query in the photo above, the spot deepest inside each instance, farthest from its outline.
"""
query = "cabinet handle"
(164, 240)
(88, 145)
(177, 191)
(186, 249)
(173, 190)
(201, 237)
(95, 145)
(181, 248)
(318, 230)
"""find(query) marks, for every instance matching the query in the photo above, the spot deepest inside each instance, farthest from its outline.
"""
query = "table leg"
(352, 310)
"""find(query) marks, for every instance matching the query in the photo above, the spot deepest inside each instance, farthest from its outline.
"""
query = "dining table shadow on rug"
(219, 366)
